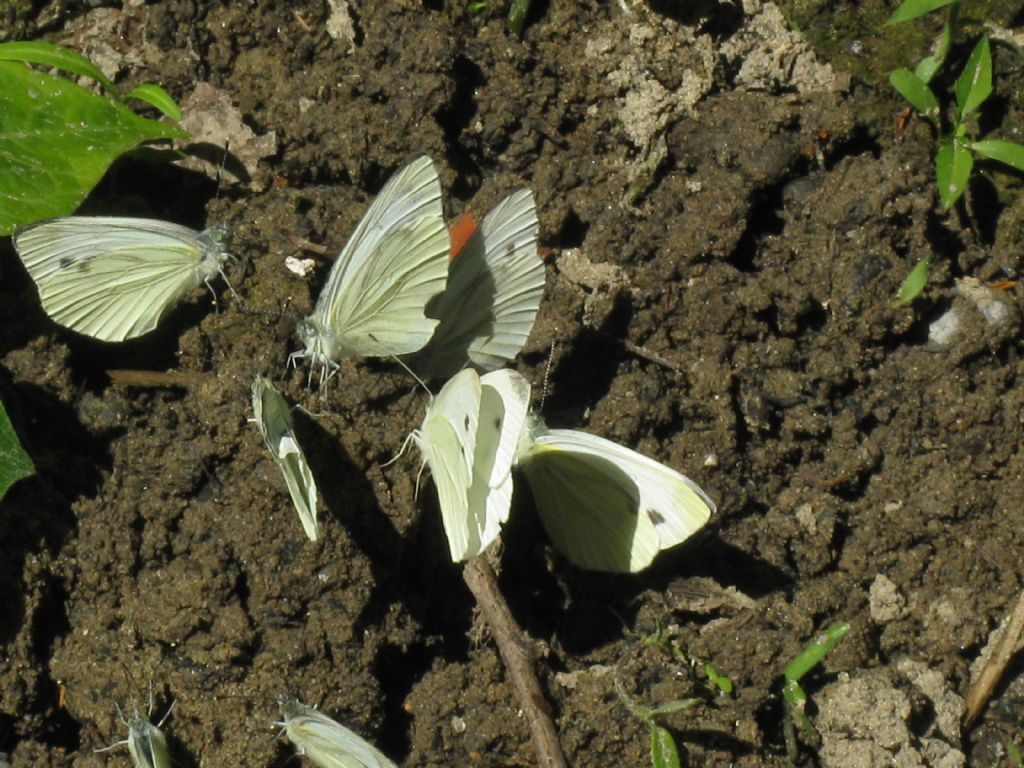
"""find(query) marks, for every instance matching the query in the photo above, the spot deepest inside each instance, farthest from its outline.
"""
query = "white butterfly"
(147, 744)
(394, 263)
(274, 419)
(327, 743)
(494, 289)
(469, 438)
(115, 278)
(606, 507)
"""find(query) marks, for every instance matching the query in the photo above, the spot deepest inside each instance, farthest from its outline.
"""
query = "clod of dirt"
(213, 120)
(986, 300)
(886, 602)
(601, 282)
(772, 57)
(340, 25)
(876, 718)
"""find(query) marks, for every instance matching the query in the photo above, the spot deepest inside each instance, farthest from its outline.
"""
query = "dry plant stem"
(981, 689)
(512, 645)
(155, 379)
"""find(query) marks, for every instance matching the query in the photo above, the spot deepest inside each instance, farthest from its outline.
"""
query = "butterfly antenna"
(412, 373)
(167, 714)
(547, 377)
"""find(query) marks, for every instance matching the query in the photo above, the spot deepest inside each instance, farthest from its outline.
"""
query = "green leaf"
(913, 283)
(815, 652)
(916, 91)
(912, 9)
(671, 707)
(663, 748)
(157, 97)
(1007, 152)
(38, 52)
(57, 139)
(721, 682)
(974, 85)
(517, 16)
(927, 67)
(953, 164)
(14, 462)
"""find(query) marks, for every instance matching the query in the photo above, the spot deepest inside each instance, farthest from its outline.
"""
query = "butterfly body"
(115, 278)
(605, 506)
(468, 439)
(495, 283)
(327, 743)
(394, 263)
(274, 420)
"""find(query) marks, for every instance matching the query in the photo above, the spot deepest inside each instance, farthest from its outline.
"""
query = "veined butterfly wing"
(504, 401)
(606, 507)
(147, 744)
(394, 263)
(274, 420)
(115, 278)
(328, 743)
(494, 289)
(447, 441)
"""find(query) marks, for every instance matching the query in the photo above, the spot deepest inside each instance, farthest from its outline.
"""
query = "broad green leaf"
(14, 462)
(157, 97)
(912, 9)
(57, 139)
(48, 55)
(916, 91)
(1007, 152)
(975, 83)
(953, 164)
(663, 748)
(913, 283)
(927, 67)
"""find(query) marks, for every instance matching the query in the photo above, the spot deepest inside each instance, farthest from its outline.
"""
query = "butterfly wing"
(448, 442)
(327, 743)
(274, 421)
(494, 289)
(394, 263)
(605, 506)
(504, 400)
(114, 278)
(147, 745)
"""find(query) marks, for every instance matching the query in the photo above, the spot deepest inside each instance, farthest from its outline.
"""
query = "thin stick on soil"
(513, 646)
(1005, 644)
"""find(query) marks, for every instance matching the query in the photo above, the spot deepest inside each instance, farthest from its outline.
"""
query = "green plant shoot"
(664, 753)
(57, 137)
(794, 696)
(720, 682)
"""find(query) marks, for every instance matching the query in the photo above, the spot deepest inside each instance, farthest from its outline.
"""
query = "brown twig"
(518, 660)
(1005, 645)
(155, 379)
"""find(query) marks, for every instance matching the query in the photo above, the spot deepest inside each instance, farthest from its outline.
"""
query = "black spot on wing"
(497, 423)
(465, 423)
(65, 262)
(655, 517)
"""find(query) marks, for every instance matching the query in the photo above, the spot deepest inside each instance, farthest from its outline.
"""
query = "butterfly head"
(535, 428)
(319, 348)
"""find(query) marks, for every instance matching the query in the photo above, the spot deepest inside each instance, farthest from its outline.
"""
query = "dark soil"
(728, 219)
